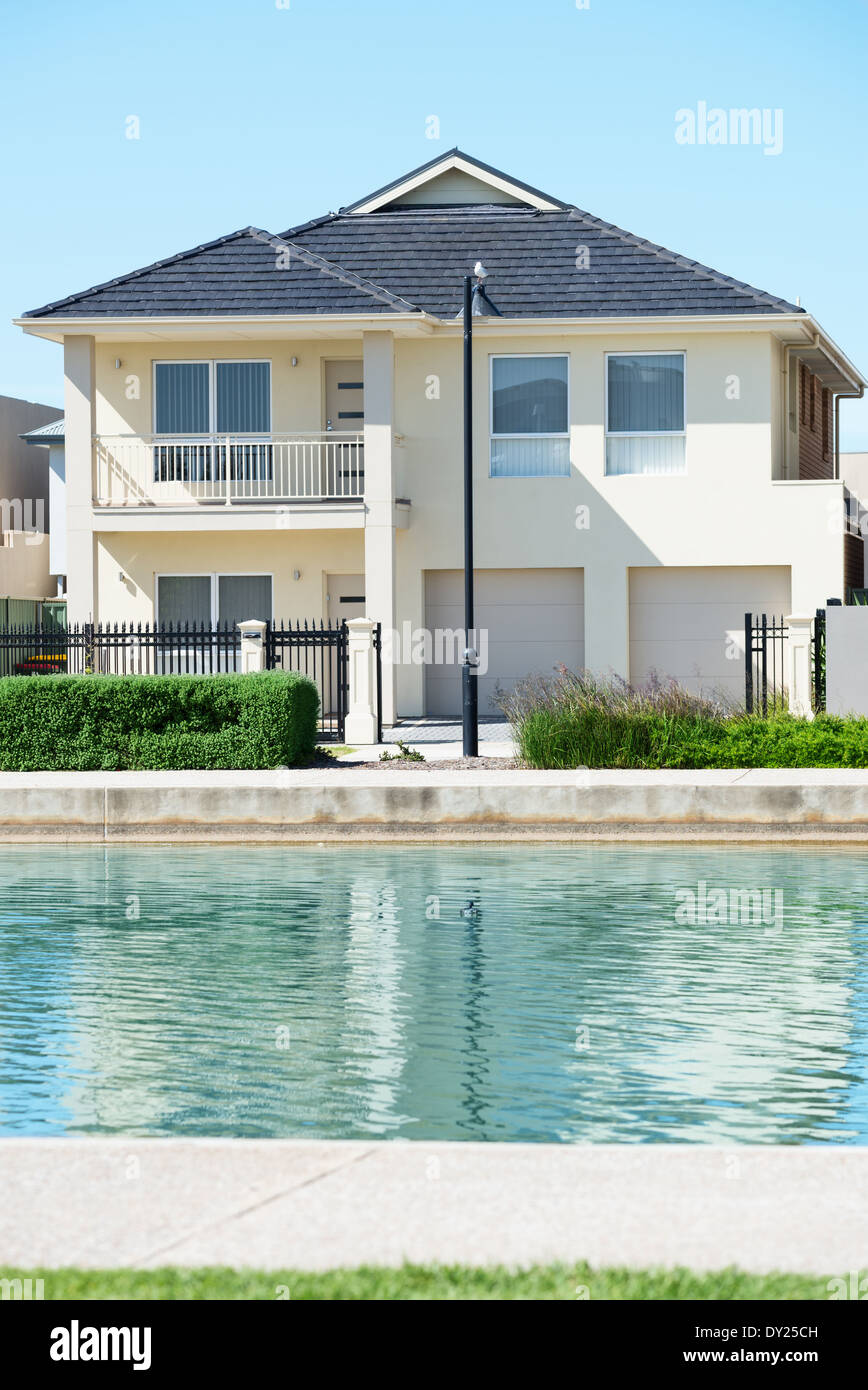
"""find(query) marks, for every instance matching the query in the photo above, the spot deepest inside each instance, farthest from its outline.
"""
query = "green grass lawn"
(550, 1282)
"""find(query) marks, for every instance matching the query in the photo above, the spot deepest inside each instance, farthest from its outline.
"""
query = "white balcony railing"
(176, 471)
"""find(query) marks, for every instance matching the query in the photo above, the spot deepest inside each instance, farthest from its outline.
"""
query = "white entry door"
(346, 597)
(345, 397)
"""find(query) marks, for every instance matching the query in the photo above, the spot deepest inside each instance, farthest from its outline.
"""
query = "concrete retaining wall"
(347, 803)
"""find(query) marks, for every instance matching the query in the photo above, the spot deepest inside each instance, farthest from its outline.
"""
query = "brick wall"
(816, 456)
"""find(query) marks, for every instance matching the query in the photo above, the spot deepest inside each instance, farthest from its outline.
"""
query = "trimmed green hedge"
(93, 723)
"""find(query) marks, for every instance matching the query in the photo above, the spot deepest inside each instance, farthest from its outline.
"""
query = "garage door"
(689, 623)
(534, 619)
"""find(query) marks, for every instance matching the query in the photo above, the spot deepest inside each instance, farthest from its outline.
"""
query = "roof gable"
(453, 178)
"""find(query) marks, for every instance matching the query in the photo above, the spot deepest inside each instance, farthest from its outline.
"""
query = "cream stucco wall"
(726, 510)
(124, 395)
(140, 558)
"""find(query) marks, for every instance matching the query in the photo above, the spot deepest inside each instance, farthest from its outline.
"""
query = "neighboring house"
(24, 521)
(272, 427)
(854, 475)
(51, 437)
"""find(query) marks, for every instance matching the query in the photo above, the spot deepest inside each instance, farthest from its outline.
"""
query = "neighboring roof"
(46, 434)
(408, 259)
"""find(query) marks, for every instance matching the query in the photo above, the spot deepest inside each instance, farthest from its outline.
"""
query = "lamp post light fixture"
(476, 304)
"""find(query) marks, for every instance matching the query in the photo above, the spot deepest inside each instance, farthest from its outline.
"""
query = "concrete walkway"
(319, 1205)
(438, 739)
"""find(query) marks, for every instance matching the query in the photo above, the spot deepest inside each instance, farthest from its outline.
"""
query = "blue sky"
(251, 113)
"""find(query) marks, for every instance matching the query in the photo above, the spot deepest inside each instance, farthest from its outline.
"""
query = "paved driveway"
(421, 731)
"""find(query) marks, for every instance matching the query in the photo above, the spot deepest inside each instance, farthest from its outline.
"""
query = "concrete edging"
(310, 1204)
(321, 804)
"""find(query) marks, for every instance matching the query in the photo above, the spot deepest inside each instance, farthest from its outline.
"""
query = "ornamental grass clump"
(573, 719)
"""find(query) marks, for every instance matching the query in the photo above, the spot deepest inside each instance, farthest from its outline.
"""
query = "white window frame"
(646, 434)
(211, 364)
(215, 576)
(497, 356)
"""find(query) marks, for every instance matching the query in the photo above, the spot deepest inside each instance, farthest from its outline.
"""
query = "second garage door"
(688, 623)
(534, 620)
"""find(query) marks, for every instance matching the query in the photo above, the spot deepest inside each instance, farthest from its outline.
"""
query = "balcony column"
(79, 427)
(379, 365)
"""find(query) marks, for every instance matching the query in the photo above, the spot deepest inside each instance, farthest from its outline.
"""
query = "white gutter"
(427, 323)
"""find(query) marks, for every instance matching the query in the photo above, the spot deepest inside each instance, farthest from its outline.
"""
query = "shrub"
(91, 723)
(575, 720)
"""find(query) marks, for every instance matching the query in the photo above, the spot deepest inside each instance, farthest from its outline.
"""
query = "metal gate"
(818, 660)
(321, 653)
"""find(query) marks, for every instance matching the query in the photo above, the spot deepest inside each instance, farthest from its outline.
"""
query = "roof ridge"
(675, 258)
(309, 226)
(347, 277)
(134, 274)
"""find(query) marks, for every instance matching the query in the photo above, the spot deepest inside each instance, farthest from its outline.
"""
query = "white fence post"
(360, 725)
(252, 645)
(799, 664)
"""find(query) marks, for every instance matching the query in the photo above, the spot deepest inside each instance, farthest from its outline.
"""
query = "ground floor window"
(213, 599)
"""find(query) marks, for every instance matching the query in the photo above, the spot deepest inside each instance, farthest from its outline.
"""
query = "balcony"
(210, 471)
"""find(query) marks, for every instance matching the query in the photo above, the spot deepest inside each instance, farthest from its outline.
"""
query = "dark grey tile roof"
(401, 260)
(244, 273)
(421, 254)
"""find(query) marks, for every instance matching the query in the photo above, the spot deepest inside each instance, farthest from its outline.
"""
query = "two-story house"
(271, 426)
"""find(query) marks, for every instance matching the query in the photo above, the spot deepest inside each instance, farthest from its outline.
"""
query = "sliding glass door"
(212, 398)
(212, 604)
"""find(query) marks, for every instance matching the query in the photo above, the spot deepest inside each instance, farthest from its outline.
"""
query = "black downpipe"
(469, 690)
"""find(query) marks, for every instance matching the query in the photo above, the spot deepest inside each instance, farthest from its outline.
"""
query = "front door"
(345, 397)
(346, 597)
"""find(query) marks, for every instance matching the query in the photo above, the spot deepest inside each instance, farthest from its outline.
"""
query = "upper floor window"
(827, 423)
(645, 412)
(212, 397)
(530, 417)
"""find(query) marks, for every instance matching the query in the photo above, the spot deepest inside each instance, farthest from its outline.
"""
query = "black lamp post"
(476, 304)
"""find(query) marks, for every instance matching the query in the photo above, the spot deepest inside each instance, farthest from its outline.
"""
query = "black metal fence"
(317, 651)
(818, 659)
(764, 663)
(765, 650)
(184, 649)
